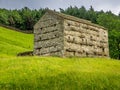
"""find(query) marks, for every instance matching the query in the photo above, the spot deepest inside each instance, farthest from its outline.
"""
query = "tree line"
(25, 19)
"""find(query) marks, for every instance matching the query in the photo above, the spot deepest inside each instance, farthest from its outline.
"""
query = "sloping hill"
(13, 42)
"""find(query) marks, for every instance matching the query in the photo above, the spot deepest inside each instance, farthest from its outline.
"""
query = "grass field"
(51, 73)
(12, 42)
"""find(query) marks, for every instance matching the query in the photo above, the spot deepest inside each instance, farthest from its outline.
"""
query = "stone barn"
(57, 34)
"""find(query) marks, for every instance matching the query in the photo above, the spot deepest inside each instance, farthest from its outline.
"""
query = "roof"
(69, 17)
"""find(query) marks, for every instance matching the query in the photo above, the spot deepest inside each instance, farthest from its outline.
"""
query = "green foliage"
(12, 42)
(112, 22)
(23, 19)
(92, 15)
(115, 44)
(15, 19)
(82, 13)
(4, 16)
(43, 73)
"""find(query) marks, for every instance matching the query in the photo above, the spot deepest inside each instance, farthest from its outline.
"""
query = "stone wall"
(82, 39)
(48, 36)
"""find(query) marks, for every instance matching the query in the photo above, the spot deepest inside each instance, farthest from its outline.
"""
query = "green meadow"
(13, 42)
(51, 73)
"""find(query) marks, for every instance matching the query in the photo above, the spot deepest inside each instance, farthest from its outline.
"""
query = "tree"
(115, 44)
(92, 15)
(4, 16)
(112, 23)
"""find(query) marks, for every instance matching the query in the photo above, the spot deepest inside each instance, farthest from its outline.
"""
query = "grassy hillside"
(12, 42)
(51, 73)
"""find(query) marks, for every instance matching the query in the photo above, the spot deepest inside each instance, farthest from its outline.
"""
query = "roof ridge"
(65, 15)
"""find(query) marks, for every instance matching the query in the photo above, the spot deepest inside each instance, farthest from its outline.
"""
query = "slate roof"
(69, 17)
(72, 18)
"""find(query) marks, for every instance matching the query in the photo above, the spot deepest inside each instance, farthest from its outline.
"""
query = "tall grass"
(52, 73)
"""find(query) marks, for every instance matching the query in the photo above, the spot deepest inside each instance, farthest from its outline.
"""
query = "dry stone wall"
(57, 34)
(48, 36)
(82, 39)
